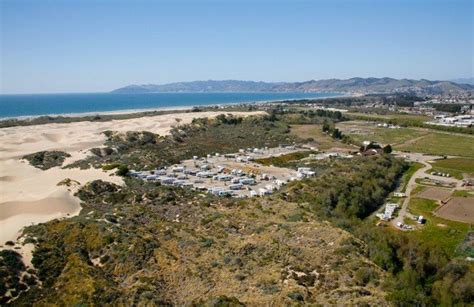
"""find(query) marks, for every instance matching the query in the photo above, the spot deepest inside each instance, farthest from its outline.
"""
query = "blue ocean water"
(55, 104)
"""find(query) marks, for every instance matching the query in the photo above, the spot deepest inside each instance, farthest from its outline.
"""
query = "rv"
(263, 192)
(224, 177)
(178, 169)
(237, 186)
(247, 181)
(225, 193)
(151, 177)
(167, 180)
(160, 172)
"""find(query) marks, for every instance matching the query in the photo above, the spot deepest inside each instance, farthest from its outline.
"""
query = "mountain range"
(353, 85)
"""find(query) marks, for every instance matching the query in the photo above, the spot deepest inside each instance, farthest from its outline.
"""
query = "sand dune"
(15, 213)
(30, 195)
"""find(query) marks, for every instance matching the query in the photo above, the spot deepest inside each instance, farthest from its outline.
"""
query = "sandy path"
(29, 195)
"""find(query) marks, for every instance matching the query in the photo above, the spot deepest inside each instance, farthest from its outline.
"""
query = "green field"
(437, 231)
(379, 134)
(395, 116)
(438, 143)
(412, 139)
(455, 166)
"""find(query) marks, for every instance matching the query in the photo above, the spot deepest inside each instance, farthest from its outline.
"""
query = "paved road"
(421, 173)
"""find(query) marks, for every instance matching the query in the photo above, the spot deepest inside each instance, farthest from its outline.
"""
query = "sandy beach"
(29, 195)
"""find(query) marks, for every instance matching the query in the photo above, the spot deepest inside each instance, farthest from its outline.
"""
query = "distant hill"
(464, 81)
(353, 85)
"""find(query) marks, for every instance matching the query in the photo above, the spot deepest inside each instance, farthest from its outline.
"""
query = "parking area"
(235, 175)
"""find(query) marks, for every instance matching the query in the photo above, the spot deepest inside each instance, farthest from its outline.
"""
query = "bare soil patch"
(459, 209)
(434, 193)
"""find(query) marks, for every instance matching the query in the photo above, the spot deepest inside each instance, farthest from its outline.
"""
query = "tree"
(326, 126)
(122, 170)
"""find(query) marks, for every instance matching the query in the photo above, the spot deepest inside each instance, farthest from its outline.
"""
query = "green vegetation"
(411, 139)
(46, 159)
(379, 134)
(441, 144)
(285, 160)
(314, 134)
(448, 107)
(463, 193)
(312, 242)
(224, 134)
(437, 232)
(13, 279)
(414, 166)
(455, 166)
(349, 189)
(174, 241)
(407, 120)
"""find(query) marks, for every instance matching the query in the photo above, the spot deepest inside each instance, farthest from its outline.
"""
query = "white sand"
(30, 195)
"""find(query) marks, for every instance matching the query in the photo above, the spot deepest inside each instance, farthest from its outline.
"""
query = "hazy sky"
(91, 46)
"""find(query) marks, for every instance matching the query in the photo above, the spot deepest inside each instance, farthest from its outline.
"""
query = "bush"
(122, 170)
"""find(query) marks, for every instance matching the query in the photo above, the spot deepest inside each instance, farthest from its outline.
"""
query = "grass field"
(378, 134)
(463, 193)
(455, 166)
(315, 131)
(437, 143)
(387, 117)
(413, 139)
(437, 231)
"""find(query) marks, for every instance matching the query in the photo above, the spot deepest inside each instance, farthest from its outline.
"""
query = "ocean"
(26, 105)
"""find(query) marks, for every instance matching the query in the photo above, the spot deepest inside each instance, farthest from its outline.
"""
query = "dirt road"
(421, 173)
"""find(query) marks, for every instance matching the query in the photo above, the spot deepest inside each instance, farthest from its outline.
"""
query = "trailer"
(237, 186)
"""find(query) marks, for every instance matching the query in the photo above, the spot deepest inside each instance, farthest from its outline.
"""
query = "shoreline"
(164, 108)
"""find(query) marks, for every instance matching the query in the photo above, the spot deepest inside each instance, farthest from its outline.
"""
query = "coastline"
(170, 108)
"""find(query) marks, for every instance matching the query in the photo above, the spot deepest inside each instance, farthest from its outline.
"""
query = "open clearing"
(322, 141)
(457, 167)
(439, 143)
(411, 117)
(360, 131)
(434, 193)
(411, 139)
(437, 231)
(458, 209)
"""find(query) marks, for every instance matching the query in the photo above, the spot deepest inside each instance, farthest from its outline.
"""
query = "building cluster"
(234, 175)
(326, 155)
(387, 215)
(389, 126)
(441, 174)
(453, 121)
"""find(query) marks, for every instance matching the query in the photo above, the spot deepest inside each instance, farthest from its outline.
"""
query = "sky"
(52, 46)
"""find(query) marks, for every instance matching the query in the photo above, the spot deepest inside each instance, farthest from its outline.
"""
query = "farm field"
(434, 193)
(438, 231)
(455, 166)
(458, 209)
